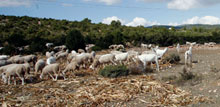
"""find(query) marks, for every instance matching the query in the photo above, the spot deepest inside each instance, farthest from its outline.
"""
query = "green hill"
(21, 31)
(190, 26)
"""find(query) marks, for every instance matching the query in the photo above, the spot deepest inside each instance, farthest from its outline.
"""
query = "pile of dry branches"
(96, 90)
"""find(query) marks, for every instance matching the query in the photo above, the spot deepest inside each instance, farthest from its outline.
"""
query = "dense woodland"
(36, 32)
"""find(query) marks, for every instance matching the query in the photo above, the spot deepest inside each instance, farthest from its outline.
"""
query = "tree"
(37, 44)
(118, 37)
(115, 24)
(75, 40)
(16, 39)
(9, 50)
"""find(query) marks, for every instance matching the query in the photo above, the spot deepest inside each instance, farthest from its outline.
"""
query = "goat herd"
(20, 66)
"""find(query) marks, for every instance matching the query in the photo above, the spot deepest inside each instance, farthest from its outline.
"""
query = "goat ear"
(154, 50)
(156, 47)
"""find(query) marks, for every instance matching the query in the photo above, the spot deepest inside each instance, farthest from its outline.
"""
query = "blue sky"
(129, 12)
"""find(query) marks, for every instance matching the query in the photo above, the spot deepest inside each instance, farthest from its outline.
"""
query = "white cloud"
(14, 3)
(66, 5)
(186, 4)
(138, 21)
(173, 24)
(108, 20)
(148, 1)
(189, 4)
(210, 20)
(183, 4)
(203, 20)
(107, 2)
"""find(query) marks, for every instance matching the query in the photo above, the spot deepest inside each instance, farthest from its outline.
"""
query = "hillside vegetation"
(21, 31)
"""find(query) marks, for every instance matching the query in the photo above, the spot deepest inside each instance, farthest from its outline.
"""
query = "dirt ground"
(86, 88)
(207, 68)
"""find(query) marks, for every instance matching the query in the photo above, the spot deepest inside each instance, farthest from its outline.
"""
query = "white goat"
(51, 60)
(13, 71)
(210, 44)
(17, 59)
(62, 47)
(84, 58)
(121, 57)
(120, 46)
(81, 51)
(4, 68)
(89, 47)
(191, 43)
(148, 58)
(178, 48)
(27, 67)
(188, 56)
(112, 46)
(103, 59)
(52, 68)
(73, 52)
(131, 55)
(71, 56)
(4, 57)
(49, 54)
(116, 52)
(144, 45)
(1, 48)
(40, 64)
(63, 55)
(160, 52)
(70, 67)
(4, 62)
(30, 58)
(49, 45)
(148, 52)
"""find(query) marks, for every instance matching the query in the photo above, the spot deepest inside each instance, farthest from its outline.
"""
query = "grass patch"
(114, 71)
(185, 77)
(172, 58)
(215, 70)
(82, 73)
(170, 78)
(136, 70)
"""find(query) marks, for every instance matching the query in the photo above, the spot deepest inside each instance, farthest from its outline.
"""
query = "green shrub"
(37, 45)
(214, 69)
(9, 50)
(96, 48)
(114, 71)
(16, 39)
(172, 58)
(75, 40)
(138, 70)
(188, 76)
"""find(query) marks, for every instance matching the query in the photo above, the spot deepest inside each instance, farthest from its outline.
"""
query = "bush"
(96, 48)
(75, 40)
(9, 50)
(37, 45)
(114, 71)
(16, 39)
(138, 70)
(189, 76)
(172, 58)
(185, 77)
(213, 69)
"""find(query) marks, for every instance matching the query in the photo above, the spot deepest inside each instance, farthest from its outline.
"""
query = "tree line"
(36, 32)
